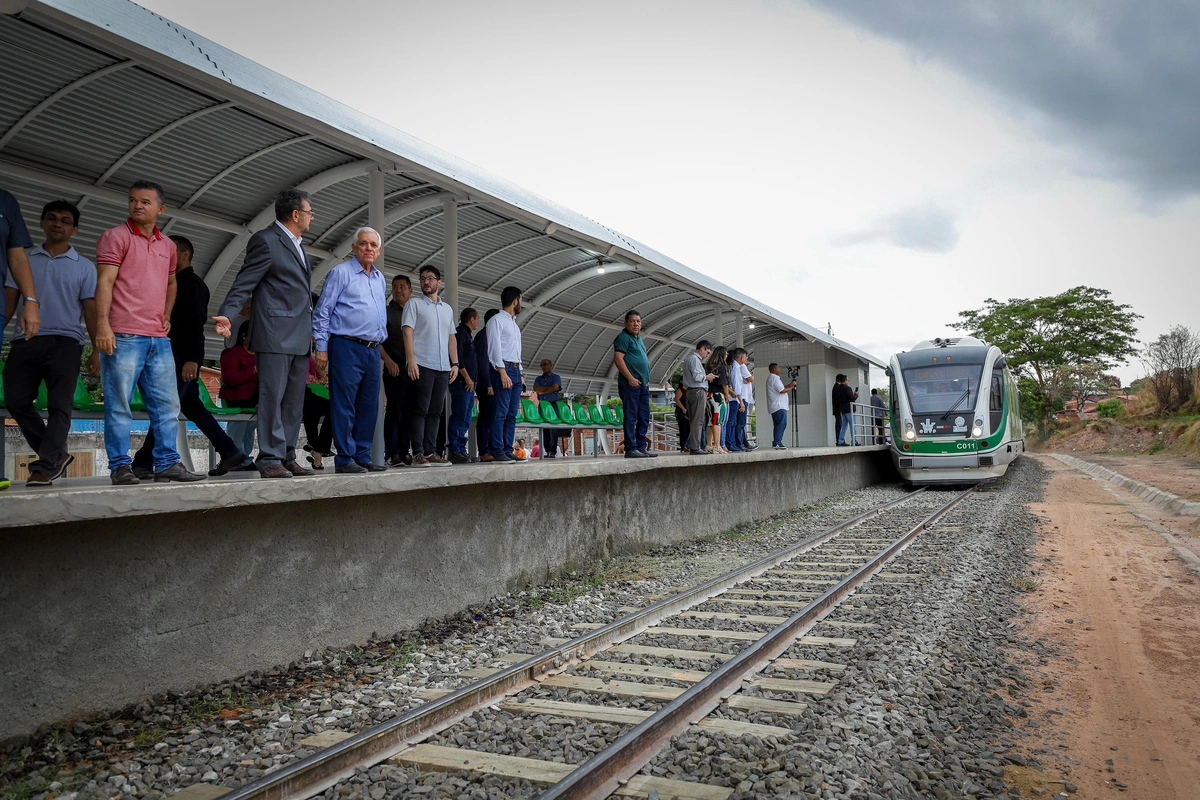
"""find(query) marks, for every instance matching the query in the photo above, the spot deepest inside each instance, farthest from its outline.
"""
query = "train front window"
(941, 388)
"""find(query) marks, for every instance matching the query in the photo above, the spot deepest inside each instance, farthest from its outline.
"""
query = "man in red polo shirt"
(135, 290)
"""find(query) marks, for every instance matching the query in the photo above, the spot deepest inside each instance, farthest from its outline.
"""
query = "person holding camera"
(777, 405)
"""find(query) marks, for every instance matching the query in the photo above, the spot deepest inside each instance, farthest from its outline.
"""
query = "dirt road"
(1119, 710)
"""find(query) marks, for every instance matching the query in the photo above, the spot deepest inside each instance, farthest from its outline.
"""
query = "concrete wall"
(101, 613)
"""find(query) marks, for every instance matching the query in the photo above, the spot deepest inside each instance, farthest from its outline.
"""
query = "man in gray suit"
(277, 274)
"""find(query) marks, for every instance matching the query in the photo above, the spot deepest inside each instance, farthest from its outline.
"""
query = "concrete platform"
(112, 594)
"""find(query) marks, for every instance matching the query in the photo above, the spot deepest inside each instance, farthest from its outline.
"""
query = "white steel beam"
(36, 111)
(158, 134)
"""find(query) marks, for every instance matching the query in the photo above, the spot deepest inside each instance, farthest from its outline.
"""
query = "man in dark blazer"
(277, 274)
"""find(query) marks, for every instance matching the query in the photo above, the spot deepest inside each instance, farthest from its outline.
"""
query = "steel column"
(375, 219)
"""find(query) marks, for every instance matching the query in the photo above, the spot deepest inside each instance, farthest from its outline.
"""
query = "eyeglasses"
(308, 211)
(431, 278)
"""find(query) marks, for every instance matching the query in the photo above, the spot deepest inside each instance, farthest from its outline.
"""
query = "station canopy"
(99, 93)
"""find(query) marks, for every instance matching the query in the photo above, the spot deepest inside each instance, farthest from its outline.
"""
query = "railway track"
(714, 628)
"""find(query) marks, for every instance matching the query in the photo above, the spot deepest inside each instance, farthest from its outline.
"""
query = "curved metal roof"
(223, 134)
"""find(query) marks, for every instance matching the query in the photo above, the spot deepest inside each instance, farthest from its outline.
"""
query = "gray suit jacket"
(280, 282)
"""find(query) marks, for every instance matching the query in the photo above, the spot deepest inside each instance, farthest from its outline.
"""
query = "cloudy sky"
(873, 166)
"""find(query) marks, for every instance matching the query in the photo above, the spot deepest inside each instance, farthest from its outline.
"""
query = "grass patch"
(405, 654)
(148, 737)
(18, 790)
(1024, 583)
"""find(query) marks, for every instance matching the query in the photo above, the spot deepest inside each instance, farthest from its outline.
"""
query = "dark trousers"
(504, 420)
(880, 432)
(397, 414)
(193, 408)
(55, 360)
(281, 381)
(354, 375)
(635, 400)
(737, 433)
(317, 427)
(429, 401)
(681, 419)
(483, 425)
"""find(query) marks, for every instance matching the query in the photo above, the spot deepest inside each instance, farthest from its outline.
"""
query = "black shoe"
(227, 465)
(350, 469)
(635, 454)
(504, 458)
(460, 458)
(374, 467)
(123, 476)
(648, 454)
(143, 473)
(177, 473)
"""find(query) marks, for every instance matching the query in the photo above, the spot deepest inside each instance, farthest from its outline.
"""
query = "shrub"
(1110, 409)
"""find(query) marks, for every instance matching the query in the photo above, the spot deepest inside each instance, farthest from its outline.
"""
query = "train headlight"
(977, 431)
(910, 434)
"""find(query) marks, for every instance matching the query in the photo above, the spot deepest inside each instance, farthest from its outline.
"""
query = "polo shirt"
(13, 232)
(432, 326)
(777, 399)
(62, 283)
(549, 379)
(394, 343)
(145, 264)
(636, 360)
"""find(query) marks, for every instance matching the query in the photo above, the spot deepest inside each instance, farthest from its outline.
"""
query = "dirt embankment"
(1128, 437)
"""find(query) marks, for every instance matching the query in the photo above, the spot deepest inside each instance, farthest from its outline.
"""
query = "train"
(956, 414)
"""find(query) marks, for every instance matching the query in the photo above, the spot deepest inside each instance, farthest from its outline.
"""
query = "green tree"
(1047, 339)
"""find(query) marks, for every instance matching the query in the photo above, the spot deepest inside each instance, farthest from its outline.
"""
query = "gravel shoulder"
(1121, 702)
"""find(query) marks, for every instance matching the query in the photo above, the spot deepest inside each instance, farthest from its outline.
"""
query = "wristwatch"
(454, 363)
(32, 300)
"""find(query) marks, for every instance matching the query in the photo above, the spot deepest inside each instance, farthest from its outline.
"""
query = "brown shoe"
(486, 458)
(437, 460)
(275, 471)
(297, 470)
(60, 469)
(39, 478)
(420, 461)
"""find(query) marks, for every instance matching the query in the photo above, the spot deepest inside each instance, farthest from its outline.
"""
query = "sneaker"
(437, 460)
(393, 461)
(4, 484)
(505, 458)
(420, 461)
(460, 458)
(123, 476)
(227, 465)
(60, 469)
(179, 473)
(39, 478)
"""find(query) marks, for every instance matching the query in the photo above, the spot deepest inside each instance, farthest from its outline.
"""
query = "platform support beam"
(375, 219)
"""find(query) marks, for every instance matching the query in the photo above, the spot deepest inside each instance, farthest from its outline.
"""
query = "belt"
(516, 364)
(356, 340)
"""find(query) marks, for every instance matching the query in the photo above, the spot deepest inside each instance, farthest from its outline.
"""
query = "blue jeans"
(734, 431)
(354, 376)
(483, 425)
(144, 363)
(462, 400)
(192, 408)
(635, 400)
(779, 425)
(504, 421)
(847, 426)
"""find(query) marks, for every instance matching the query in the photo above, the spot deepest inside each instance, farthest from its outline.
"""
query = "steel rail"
(608, 770)
(330, 765)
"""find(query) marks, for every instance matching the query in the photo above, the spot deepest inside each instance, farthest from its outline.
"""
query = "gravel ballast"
(924, 708)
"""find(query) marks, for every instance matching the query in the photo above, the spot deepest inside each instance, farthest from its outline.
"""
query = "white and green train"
(956, 417)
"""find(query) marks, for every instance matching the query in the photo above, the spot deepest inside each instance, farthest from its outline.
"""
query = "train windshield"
(940, 388)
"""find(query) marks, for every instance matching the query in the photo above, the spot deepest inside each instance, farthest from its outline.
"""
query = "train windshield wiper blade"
(961, 397)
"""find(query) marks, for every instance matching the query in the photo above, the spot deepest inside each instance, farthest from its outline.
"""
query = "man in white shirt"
(777, 404)
(745, 390)
(504, 359)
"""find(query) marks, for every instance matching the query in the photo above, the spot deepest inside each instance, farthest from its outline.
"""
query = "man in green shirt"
(633, 368)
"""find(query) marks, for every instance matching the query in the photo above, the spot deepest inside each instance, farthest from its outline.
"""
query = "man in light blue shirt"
(431, 346)
(349, 325)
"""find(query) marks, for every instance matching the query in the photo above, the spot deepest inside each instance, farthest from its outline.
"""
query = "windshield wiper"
(965, 395)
